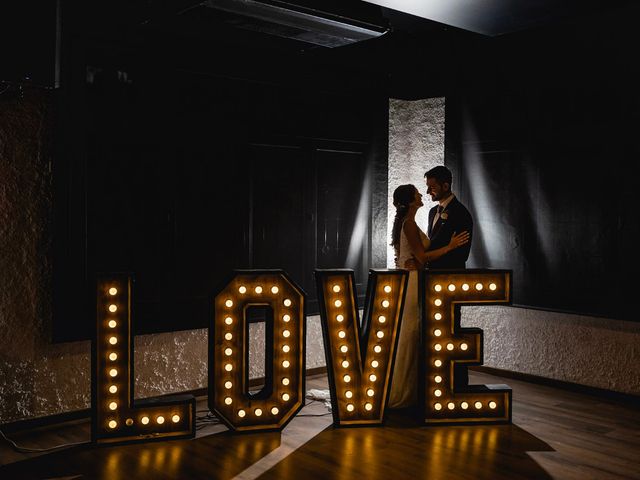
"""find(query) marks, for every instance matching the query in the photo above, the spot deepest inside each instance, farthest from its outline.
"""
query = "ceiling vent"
(297, 23)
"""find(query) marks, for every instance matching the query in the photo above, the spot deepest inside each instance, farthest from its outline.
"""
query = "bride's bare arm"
(418, 251)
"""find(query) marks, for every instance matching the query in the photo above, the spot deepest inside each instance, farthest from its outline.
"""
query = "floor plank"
(555, 434)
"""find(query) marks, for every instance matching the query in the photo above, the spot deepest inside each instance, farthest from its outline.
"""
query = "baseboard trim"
(85, 413)
(550, 382)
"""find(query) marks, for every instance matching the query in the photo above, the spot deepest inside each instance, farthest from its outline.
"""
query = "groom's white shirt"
(443, 204)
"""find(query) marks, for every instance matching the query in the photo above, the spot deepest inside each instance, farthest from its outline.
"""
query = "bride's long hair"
(402, 197)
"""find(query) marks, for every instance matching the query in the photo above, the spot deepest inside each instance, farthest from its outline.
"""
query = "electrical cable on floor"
(20, 449)
(203, 421)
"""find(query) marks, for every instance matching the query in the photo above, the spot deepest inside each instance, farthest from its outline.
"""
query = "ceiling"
(497, 17)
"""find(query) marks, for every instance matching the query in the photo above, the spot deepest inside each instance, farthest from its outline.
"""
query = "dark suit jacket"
(458, 220)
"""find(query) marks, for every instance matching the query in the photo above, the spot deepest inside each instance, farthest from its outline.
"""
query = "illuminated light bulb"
(437, 363)
(340, 318)
(113, 324)
(465, 287)
(368, 407)
(287, 302)
(228, 385)
(160, 419)
(437, 406)
(113, 356)
(258, 412)
(464, 405)
(241, 413)
(338, 303)
(228, 400)
(286, 363)
(379, 334)
(175, 418)
(228, 336)
(385, 303)
(242, 289)
(438, 316)
(258, 289)
(274, 289)
(348, 394)
(437, 347)
(336, 288)
(286, 333)
(113, 291)
(286, 317)
(229, 303)
(437, 302)
(344, 349)
(228, 320)
(347, 378)
(451, 405)
(286, 348)
(370, 392)
(375, 364)
(449, 346)
(274, 411)
(228, 367)
(438, 379)
(113, 389)
(113, 424)
(286, 397)
(342, 334)
(492, 286)
(113, 340)
(113, 372)
(345, 364)
(144, 420)
(387, 288)
(113, 308)
(463, 346)
(372, 377)
(437, 332)
(478, 286)
(478, 405)
(377, 349)
(492, 405)
(451, 287)
(437, 393)
(228, 352)
(285, 381)
(350, 407)
(382, 319)
(438, 288)
(113, 406)
(129, 422)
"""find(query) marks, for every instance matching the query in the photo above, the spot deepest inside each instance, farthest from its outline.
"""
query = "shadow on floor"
(401, 449)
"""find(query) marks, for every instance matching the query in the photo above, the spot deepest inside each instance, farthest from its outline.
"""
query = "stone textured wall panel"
(416, 144)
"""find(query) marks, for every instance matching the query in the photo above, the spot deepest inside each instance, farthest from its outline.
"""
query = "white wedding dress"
(404, 384)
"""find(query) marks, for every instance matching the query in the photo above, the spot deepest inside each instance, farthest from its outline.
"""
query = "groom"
(446, 219)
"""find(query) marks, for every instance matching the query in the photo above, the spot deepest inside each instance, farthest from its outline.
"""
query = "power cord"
(20, 449)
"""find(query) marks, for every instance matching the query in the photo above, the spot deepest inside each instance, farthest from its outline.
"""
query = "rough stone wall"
(597, 352)
(38, 378)
(416, 144)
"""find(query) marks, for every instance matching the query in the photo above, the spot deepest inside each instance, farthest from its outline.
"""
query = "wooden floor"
(555, 434)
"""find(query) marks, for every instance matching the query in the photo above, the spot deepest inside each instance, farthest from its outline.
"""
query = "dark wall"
(181, 161)
(541, 135)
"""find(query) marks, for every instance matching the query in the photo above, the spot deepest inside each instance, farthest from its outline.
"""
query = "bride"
(411, 247)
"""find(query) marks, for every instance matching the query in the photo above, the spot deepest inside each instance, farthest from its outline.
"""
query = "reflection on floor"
(555, 434)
